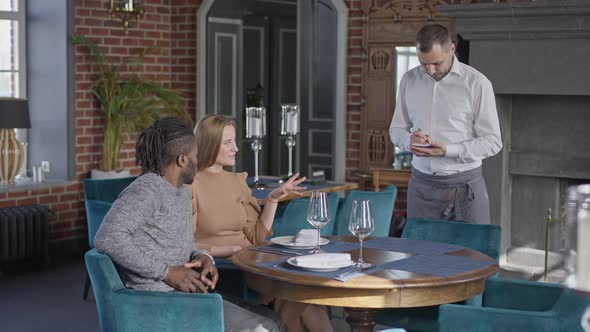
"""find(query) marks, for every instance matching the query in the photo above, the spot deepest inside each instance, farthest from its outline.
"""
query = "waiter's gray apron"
(460, 197)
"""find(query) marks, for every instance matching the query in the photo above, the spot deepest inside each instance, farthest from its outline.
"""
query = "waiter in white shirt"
(446, 115)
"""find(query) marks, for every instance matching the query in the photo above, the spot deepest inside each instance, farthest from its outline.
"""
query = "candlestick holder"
(256, 129)
(290, 128)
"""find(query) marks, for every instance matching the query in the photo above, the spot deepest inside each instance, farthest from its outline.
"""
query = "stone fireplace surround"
(537, 56)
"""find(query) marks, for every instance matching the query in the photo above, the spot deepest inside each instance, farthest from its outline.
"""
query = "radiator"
(24, 233)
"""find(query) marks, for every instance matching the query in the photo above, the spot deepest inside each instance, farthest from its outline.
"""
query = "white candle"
(255, 126)
(130, 5)
(583, 264)
(292, 122)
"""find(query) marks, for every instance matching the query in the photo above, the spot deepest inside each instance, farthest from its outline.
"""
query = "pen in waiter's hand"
(426, 137)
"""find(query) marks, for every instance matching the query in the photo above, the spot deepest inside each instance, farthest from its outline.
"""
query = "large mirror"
(273, 52)
(406, 58)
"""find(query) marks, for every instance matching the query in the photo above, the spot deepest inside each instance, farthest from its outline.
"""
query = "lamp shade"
(14, 113)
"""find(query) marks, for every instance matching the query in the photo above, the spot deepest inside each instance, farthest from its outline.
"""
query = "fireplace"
(535, 55)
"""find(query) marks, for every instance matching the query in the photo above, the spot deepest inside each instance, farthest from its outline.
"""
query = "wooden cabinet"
(384, 176)
(387, 24)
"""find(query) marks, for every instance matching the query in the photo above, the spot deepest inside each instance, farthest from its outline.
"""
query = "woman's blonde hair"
(209, 133)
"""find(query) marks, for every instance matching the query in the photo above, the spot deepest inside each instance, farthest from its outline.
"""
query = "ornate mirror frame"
(387, 24)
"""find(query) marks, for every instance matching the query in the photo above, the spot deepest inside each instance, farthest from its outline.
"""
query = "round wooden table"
(363, 296)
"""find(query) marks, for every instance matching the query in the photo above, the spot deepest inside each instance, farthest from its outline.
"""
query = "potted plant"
(129, 103)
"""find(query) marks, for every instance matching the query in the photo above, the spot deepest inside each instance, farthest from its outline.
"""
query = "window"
(406, 58)
(13, 59)
(12, 49)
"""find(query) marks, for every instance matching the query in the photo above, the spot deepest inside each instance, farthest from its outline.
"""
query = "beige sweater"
(225, 212)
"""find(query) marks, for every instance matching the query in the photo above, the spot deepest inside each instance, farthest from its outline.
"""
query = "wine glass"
(361, 224)
(318, 215)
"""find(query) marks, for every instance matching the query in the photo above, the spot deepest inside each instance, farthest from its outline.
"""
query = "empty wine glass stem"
(360, 260)
(318, 243)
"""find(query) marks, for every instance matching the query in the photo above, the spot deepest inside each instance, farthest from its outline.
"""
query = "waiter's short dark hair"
(430, 35)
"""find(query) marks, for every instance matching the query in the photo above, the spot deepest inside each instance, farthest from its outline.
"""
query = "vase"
(11, 156)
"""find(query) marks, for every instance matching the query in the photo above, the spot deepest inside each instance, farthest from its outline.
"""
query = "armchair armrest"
(520, 294)
(458, 318)
(167, 311)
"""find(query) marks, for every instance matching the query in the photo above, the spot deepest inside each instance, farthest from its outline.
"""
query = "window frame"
(20, 16)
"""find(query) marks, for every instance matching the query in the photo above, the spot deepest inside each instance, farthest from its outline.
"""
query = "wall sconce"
(126, 10)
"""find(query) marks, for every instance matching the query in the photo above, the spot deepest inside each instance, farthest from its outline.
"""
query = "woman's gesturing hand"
(288, 188)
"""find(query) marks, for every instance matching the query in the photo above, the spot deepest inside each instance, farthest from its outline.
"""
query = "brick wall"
(167, 25)
(171, 26)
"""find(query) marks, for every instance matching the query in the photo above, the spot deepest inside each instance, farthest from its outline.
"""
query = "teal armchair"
(294, 217)
(121, 309)
(99, 196)
(106, 190)
(518, 305)
(382, 203)
(483, 238)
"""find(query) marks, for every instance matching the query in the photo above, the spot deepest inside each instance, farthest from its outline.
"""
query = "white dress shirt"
(459, 111)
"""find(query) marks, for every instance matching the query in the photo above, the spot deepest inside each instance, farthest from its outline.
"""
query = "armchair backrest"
(95, 212)
(294, 218)
(99, 196)
(382, 203)
(106, 190)
(483, 238)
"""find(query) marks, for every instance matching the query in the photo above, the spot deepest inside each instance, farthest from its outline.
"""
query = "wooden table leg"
(375, 180)
(361, 319)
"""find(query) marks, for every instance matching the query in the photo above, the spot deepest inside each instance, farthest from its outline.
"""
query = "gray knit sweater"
(148, 229)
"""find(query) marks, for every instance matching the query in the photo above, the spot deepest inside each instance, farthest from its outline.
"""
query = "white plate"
(287, 241)
(426, 145)
(293, 261)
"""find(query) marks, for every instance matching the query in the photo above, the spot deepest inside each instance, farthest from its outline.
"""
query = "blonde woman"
(228, 218)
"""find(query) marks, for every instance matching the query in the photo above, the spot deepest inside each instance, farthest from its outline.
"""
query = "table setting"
(308, 253)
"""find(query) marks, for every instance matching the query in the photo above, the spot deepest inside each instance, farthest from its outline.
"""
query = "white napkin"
(306, 236)
(323, 260)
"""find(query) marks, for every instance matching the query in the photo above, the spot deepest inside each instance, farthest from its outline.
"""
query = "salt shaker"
(40, 174)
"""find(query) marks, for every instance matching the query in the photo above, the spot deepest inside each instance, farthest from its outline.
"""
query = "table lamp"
(256, 129)
(14, 113)
(290, 128)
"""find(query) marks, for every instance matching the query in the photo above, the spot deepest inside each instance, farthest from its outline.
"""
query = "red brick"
(17, 194)
(48, 199)
(77, 187)
(5, 204)
(60, 206)
(57, 190)
(27, 201)
(64, 215)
